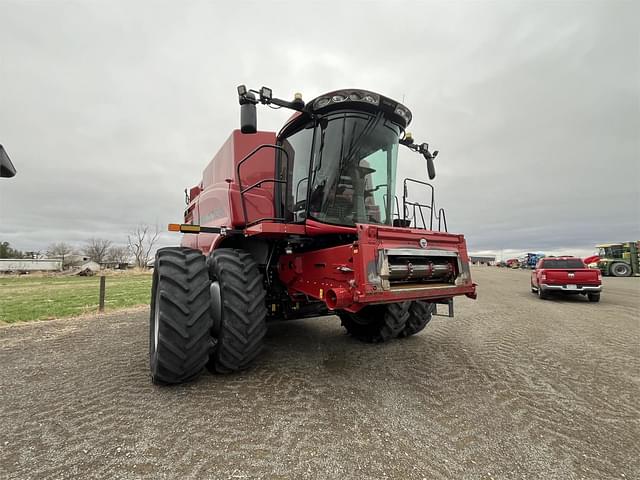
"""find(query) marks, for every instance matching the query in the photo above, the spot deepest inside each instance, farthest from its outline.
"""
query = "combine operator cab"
(302, 224)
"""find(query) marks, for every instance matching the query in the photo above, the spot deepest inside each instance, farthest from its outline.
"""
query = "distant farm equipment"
(530, 260)
(617, 259)
(512, 263)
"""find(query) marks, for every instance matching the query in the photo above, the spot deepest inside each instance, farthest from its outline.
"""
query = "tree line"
(138, 250)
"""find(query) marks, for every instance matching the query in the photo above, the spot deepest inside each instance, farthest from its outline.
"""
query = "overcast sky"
(110, 109)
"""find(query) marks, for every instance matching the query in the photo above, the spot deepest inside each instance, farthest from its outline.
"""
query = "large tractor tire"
(420, 314)
(180, 320)
(376, 323)
(620, 269)
(238, 309)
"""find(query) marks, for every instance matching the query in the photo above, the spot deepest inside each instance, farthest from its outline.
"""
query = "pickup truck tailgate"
(585, 276)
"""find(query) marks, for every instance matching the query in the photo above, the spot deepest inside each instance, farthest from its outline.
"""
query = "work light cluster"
(404, 113)
(347, 95)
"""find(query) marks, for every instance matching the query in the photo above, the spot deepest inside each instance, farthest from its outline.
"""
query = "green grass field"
(27, 298)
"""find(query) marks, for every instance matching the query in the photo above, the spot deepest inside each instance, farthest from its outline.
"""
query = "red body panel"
(591, 259)
(348, 272)
(217, 198)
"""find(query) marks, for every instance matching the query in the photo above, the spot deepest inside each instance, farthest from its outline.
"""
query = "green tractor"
(619, 259)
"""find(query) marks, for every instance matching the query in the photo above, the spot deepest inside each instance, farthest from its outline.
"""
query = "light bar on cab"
(374, 102)
(344, 95)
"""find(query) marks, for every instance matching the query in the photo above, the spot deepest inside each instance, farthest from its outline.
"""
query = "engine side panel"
(216, 201)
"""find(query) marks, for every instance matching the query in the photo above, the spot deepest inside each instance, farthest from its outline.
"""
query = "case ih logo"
(423, 242)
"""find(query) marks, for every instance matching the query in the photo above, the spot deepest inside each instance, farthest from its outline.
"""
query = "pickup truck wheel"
(180, 320)
(238, 309)
(620, 269)
(533, 289)
(593, 297)
(542, 295)
(420, 314)
(376, 323)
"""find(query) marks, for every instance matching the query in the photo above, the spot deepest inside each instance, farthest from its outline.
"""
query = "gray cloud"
(110, 109)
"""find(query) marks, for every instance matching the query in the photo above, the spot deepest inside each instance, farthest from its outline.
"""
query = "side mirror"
(248, 116)
(431, 169)
(6, 167)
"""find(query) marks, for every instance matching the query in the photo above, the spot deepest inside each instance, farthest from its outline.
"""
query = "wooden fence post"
(102, 288)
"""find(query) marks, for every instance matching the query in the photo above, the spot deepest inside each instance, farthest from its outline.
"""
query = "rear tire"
(240, 319)
(420, 314)
(180, 320)
(376, 323)
(542, 295)
(593, 297)
(620, 269)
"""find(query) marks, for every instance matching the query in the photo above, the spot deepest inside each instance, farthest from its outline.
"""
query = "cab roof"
(356, 99)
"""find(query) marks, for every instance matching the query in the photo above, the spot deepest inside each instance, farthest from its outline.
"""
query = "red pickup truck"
(567, 275)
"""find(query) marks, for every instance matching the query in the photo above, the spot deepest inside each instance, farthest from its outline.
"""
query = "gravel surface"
(513, 387)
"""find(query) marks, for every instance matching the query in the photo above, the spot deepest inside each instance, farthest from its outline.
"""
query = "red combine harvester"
(303, 223)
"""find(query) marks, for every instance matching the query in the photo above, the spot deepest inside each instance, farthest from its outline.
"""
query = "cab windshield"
(612, 251)
(354, 169)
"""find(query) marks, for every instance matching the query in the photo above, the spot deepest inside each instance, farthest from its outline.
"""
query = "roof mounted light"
(404, 113)
(346, 95)
(322, 102)
(266, 94)
(363, 100)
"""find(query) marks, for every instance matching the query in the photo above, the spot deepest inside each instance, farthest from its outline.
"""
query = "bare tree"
(96, 249)
(141, 242)
(61, 249)
(118, 254)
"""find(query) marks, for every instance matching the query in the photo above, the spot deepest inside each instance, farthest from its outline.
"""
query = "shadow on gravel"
(320, 350)
(317, 347)
(568, 299)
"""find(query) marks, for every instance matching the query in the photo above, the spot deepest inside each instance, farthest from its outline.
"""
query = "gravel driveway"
(513, 387)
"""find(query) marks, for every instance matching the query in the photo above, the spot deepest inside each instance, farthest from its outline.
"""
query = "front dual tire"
(204, 313)
(238, 310)
(180, 319)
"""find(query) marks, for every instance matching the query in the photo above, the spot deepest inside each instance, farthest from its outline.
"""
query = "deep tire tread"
(420, 314)
(376, 323)
(243, 324)
(180, 284)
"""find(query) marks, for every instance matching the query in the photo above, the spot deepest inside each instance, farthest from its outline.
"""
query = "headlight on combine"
(404, 113)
